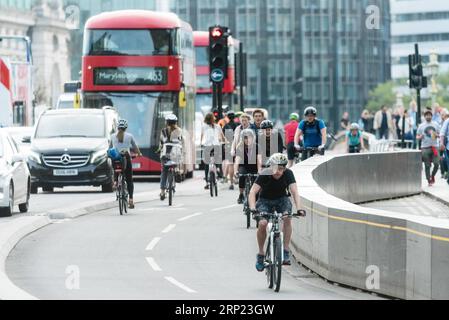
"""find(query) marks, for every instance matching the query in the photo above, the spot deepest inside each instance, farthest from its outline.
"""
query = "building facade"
(418, 21)
(304, 52)
(44, 22)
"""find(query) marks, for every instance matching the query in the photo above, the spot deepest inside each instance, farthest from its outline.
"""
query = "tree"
(383, 94)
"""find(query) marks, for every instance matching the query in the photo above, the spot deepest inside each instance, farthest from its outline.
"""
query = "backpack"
(316, 126)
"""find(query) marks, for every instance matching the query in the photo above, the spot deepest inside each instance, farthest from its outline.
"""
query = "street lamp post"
(434, 68)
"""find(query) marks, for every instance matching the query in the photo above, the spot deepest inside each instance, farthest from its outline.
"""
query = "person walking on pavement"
(383, 123)
(290, 131)
(428, 134)
(444, 141)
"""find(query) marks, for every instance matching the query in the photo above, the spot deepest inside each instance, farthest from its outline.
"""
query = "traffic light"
(218, 53)
(416, 75)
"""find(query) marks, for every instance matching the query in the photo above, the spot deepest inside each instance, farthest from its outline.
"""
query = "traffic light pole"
(220, 99)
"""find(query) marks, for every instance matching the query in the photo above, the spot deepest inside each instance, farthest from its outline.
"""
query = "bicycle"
(249, 181)
(274, 256)
(122, 186)
(311, 152)
(172, 156)
(354, 149)
(213, 182)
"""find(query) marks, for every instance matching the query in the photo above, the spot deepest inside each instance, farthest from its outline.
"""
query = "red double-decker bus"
(142, 63)
(204, 86)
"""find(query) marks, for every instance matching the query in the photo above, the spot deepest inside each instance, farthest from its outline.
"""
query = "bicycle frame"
(274, 231)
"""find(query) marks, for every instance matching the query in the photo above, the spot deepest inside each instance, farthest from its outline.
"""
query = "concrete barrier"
(393, 254)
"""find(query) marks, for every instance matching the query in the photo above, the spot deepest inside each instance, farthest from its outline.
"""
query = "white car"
(14, 177)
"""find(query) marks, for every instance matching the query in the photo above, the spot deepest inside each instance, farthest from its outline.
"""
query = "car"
(22, 138)
(15, 180)
(69, 148)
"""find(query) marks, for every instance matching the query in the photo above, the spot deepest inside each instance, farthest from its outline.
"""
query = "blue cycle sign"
(217, 75)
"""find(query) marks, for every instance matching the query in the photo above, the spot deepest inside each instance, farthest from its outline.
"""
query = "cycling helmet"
(231, 115)
(266, 124)
(355, 126)
(294, 116)
(278, 159)
(247, 133)
(171, 117)
(310, 111)
(123, 124)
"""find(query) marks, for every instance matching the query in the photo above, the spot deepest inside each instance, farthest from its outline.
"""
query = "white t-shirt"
(211, 135)
(127, 144)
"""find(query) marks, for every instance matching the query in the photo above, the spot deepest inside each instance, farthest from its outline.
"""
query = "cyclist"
(245, 123)
(270, 142)
(290, 131)
(124, 142)
(228, 158)
(170, 134)
(313, 132)
(246, 159)
(354, 139)
(275, 186)
(211, 139)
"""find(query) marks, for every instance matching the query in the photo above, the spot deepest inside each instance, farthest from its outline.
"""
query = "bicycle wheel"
(269, 268)
(216, 189)
(277, 264)
(170, 188)
(247, 211)
(212, 183)
(119, 194)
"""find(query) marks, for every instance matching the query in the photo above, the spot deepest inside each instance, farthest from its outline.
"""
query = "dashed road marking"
(191, 216)
(169, 228)
(153, 265)
(224, 208)
(179, 285)
(153, 244)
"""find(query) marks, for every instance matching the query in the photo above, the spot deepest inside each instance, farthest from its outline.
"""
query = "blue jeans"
(446, 154)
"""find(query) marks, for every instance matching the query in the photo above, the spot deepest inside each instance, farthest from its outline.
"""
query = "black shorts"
(291, 151)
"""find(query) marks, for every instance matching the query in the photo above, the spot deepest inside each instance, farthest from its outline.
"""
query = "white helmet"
(278, 159)
(171, 118)
(310, 111)
(355, 126)
(122, 124)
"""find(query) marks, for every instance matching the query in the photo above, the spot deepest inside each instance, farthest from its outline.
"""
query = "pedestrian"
(408, 132)
(364, 122)
(428, 133)
(344, 122)
(444, 142)
(383, 123)
(396, 118)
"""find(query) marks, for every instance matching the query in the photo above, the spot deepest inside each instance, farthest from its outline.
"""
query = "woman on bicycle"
(124, 143)
(354, 139)
(246, 159)
(211, 139)
(170, 134)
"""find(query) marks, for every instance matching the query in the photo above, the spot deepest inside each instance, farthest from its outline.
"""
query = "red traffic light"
(217, 33)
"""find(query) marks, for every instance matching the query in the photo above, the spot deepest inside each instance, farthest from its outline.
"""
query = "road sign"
(217, 75)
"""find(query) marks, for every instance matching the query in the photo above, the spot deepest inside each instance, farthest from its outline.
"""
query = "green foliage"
(383, 94)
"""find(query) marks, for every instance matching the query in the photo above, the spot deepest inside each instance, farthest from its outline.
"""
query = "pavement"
(439, 192)
(198, 249)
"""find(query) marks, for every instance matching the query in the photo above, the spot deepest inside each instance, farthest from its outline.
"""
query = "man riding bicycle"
(276, 185)
(124, 142)
(270, 142)
(171, 134)
(314, 134)
(354, 139)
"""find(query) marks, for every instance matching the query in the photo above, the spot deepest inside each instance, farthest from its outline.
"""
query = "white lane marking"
(178, 206)
(153, 244)
(179, 285)
(224, 208)
(153, 264)
(191, 216)
(169, 228)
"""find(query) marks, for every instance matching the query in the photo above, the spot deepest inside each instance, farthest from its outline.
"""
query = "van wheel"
(34, 189)
(107, 188)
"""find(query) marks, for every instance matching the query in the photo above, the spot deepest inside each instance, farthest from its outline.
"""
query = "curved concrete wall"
(393, 254)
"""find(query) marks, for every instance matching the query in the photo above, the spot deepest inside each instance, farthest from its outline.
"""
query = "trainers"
(287, 261)
(231, 187)
(162, 196)
(260, 264)
(206, 187)
(240, 199)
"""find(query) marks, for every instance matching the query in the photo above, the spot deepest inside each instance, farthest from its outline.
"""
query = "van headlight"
(99, 155)
(34, 157)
